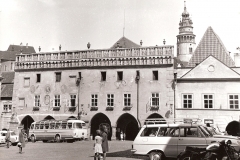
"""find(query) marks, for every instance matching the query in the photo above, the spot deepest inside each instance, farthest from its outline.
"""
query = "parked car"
(168, 140)
(13, 137)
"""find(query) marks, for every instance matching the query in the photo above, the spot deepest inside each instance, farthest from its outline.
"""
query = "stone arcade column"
(113, 133)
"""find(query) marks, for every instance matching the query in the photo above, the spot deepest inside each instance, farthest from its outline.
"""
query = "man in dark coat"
(105, 142)
(233, 128)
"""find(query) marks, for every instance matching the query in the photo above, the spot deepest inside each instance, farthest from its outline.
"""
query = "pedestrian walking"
(105, 142)
(121, 136)
(7, 138)
(98, 146)
(21, 143)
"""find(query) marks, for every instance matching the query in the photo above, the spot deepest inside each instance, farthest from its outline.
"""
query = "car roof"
(172, 125)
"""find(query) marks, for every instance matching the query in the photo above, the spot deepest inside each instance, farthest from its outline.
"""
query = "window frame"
(127, 99)
(57, 100)
(37, 100)
(151, 99)
(94, 100)
(229, 104)
(203, 100)
(58, 76)
(38, 80)
(25, 80)
(103, 76)
(119, 75)
(187, 94)
(21, 99)
(72, 95)
(7, 107)
(155, 75)
(111, 99)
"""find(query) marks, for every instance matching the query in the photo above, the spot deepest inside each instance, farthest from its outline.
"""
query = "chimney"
(237, 59)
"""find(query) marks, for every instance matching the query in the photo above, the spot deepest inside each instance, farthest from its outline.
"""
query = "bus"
(58, 130)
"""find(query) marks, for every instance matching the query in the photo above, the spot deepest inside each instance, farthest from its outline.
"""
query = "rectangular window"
(21, 102)
(58, 76)
(127, 100)
(187, 101)
(119, 76)
(26, 82)
(208, 100)
(94, 100)
(103, 76)
(190, 50)
(7, 107)
(155, 75)
(37, 100)
(57, 101)
(234, 101)
(155, 99)
(38, 78)
(73, 100)
(110, 100)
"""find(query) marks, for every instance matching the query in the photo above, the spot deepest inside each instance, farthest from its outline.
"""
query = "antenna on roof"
(124, 23)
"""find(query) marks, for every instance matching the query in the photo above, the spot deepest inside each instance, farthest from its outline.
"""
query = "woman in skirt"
(98, 145)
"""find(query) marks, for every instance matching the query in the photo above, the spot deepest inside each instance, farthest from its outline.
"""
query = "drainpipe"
(174, 96)
(78, 85)
(137, 81)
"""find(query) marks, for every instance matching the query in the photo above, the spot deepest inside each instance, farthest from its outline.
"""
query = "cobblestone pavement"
(81, 150)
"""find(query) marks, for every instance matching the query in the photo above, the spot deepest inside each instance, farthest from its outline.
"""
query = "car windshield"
(212, 130)
(205, 131)
(13, 133)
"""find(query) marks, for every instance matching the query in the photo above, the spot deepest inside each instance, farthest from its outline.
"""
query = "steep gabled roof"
(6, 55)
(124, 43)
(7, 90)
(210, 44)
(19, 48)
(8, 77)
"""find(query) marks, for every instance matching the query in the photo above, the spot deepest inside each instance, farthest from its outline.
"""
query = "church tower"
(185, 39)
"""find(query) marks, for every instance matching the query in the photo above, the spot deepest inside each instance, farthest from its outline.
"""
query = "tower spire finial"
(124, 23)
(185, 8)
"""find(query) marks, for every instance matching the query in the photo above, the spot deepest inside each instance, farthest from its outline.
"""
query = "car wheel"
(33, 139)
(57, 138)
(184, 157)
(156, 156)
(44, 141)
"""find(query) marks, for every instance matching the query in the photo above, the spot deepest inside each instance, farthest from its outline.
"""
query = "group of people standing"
(21, 138)
(101, 144)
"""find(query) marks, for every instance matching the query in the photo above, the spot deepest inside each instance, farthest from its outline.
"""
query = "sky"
(74, 23)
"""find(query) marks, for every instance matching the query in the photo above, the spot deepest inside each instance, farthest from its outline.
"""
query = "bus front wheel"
(57, 138)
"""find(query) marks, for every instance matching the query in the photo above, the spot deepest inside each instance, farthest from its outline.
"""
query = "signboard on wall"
(210, 121)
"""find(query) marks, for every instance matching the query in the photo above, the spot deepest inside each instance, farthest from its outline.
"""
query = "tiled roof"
(18, 48)
(8, 77)
(6, 90)
(6, 55)
(124, 43)
(210, 44)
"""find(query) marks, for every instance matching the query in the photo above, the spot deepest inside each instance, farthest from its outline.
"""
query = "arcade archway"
(155, 118)
(26, 122)
(128, 125)
(97, 121)
(48, 117)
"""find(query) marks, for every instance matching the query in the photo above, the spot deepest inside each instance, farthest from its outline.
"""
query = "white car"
(13, 137)
(168, 140)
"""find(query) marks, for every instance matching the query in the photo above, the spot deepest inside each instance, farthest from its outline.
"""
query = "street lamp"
(174, 96)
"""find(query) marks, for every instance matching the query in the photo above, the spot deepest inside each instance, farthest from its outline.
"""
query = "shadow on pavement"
(126, 154)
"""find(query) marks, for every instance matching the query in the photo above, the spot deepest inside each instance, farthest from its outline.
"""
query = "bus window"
(64, 125)
(32, 126)
(58, 124)
(84, 125)
(41, 126)
(46, 125)
(77, 125)
(69, 125)
(37, 126)
(52, 125)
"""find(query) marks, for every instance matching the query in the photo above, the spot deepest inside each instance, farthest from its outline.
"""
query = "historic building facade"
(7, 59)
(208, 87)
(119, 87)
